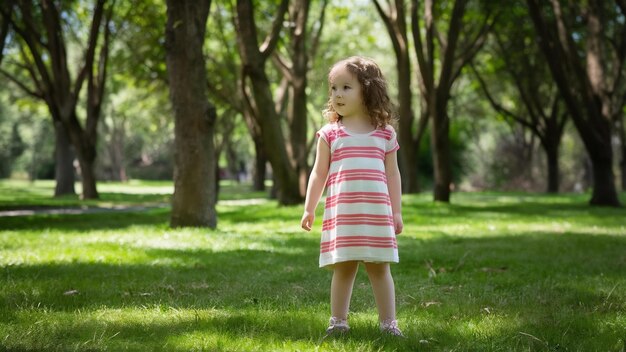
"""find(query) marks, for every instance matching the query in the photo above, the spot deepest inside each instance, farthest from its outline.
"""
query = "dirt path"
(45, 210)
(27, 211)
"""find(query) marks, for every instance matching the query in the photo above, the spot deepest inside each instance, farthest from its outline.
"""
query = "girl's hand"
(307, 220)
(398, 225)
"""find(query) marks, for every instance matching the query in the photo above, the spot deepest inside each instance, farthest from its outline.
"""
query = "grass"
(491, 271)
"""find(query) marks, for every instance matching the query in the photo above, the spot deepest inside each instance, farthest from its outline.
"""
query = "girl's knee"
(346, 268)
(377, 269)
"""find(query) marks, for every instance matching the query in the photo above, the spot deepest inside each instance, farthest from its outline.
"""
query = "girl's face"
(346, 94)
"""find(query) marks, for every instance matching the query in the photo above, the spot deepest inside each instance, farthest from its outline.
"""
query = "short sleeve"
(328, 133)
(323, 134)
(392, 141)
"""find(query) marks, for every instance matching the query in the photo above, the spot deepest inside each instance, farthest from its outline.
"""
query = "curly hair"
(373, 87)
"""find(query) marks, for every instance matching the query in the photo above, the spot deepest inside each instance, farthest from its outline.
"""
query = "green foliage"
(26, 137)
(493, 271)
(10, 151)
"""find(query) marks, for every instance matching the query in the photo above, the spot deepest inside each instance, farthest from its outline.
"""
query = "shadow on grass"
(525, 212)
(181, 278)
(86, 222)
(117, 220)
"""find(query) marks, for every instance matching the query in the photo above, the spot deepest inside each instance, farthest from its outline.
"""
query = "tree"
(259, 97)
(193, 203)
(394, 17)
(515, 56)
(461, 42)
(137, 131)
(47, 64)
(301, 52)
(64, 170)
(225, 86)
(589, 83)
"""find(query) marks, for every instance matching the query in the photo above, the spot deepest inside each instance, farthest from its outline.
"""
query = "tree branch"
(282, 97)
(498, 107)
(318, 34)
(29, 66)
(424, 64)
(22, 86)
(567, 44)
(91, 49)
(446, 74)
(283, 66)
(232, 67)
(389, 23)
(96, 88)
(272, 38)
(27, 35)
(479, 40)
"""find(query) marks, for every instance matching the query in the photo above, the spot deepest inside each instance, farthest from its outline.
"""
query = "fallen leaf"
(494, 270)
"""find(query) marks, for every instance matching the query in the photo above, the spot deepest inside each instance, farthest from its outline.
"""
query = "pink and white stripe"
(358, 241)
(356, 175)
(357, 197)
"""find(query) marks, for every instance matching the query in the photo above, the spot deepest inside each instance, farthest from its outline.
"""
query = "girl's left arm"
(394, 185)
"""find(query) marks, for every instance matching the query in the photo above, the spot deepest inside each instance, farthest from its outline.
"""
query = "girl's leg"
(341, 288)
(384, 291)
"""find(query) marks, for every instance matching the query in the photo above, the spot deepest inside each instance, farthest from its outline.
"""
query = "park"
(155, 157)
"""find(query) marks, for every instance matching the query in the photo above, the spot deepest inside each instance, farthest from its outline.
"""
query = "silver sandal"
(390, 326)
(337, 326)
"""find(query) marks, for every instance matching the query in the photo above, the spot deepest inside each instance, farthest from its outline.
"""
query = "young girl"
(356, 160)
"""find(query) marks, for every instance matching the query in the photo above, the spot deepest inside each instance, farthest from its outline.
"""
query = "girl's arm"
(394, 185)
(315, 188)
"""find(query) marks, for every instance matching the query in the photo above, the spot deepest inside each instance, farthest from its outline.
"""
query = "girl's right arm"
(315, 188)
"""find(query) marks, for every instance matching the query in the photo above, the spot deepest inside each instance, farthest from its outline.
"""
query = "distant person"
(242, 174)
(356, 159)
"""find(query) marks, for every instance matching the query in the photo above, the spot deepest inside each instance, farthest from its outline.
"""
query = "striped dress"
(358, 220)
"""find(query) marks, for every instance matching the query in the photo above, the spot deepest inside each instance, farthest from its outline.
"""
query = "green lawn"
(491, 271)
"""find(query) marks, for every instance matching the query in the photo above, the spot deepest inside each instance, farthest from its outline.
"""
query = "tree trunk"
(552, 157)
(297, 111)
(299, 131)
(253, 60)
(395, 22)
(581, 84)
(193, 203)
(88, 178)
(116, 152)
(260, 167)
(604, 192)
(64, 162)
(85, 146)
(409, 149)
(441, 154)
(285, 177)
